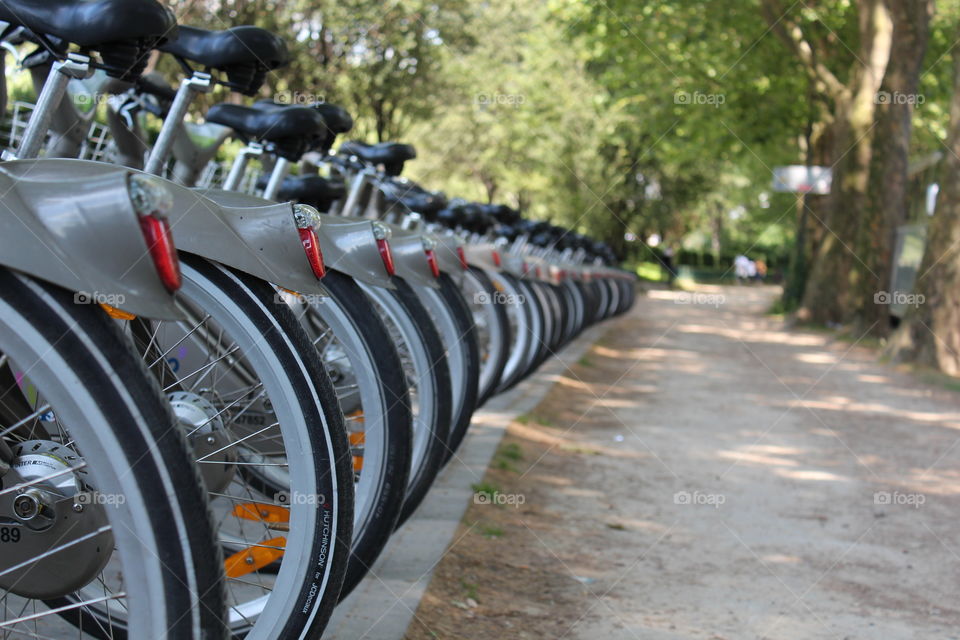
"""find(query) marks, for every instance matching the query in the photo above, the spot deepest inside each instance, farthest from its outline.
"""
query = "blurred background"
(659, 126)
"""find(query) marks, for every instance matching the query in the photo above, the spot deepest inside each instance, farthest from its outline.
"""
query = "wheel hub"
(208, 437)
(51, 537)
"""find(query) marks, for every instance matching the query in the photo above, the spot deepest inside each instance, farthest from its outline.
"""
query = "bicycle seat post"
(280, 170)
(520, 243)
(360, 181)
(199, 82)
(411, 221)
(61, 72)
(239, 166)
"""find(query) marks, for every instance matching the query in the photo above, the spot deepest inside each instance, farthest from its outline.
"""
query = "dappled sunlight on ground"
(705, 472)
(810, 474)
(951, 420)
(752, 335)
(817, 358)
(874, 378)
(745, 457)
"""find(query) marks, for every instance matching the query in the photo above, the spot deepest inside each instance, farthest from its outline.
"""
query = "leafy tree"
(931, 333)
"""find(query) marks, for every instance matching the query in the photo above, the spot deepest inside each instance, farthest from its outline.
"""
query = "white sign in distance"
(800, 179)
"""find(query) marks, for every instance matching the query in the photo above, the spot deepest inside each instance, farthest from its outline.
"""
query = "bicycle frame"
(260, 240)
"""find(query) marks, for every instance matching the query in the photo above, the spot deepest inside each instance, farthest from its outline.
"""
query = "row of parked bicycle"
(222, 390)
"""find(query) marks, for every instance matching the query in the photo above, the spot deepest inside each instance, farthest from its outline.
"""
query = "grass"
(650, 271)
(511, 451)
(485, 488)
(585, 362)
(506, 456)
(576, 448)
(936, 378)
(527, 418)
(469, 590)
(491, 531)
(778, 308)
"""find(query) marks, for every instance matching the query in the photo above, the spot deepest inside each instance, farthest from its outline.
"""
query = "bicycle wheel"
(356, 350)
(260, 411)
(425, 366)
(464, 351)
(493, 329)
(544, 302)
(538, 326)
(521, 328)
(100, 504)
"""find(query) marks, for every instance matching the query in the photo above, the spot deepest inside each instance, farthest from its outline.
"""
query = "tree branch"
(791, 33)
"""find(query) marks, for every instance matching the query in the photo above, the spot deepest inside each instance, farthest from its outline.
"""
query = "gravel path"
(704, 472)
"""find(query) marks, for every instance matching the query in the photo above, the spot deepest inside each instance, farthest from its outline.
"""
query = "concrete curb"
(384, 604)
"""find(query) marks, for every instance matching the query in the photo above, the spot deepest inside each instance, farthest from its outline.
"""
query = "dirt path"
(705, 473)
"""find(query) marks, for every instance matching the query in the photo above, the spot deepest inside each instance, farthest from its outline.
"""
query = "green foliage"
(618, 117)
(649, 271)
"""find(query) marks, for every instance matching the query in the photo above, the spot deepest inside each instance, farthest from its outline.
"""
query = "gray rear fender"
(410, 258)
(247, 233)
(258, 239)
(349, 246)
(481, 255)
(512, 264)
(72, 223)
(449, 258)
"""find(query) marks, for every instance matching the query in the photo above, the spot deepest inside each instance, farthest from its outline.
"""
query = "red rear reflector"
(387, 256)
(496, 258)
(311, 246)
(432, 261)
(156, 231)
(463, 257)
(537, 270)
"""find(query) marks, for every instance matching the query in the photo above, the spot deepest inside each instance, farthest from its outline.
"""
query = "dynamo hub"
(54, 533)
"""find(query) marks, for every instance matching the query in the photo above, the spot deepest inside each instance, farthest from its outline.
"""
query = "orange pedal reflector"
(357, 463)
(255, 558)
(357, 438)
(261, 512)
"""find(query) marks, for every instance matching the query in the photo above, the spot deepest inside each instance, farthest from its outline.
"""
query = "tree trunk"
(838, 271)
(890, 156)
(716, 235)
(930, 335)
(816, 143)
